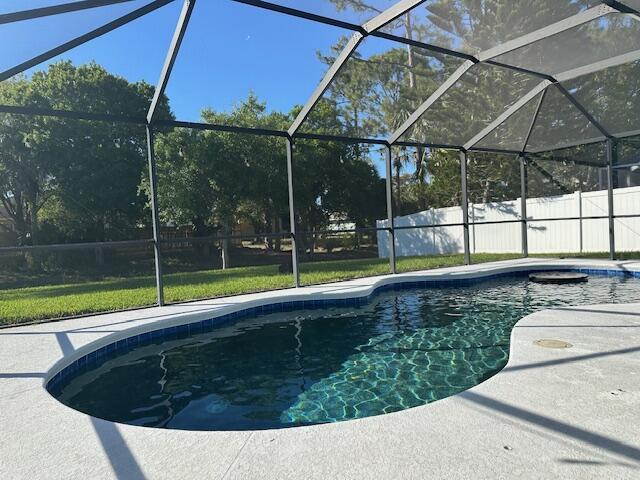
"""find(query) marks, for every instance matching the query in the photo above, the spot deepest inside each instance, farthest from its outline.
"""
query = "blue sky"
(230, 49)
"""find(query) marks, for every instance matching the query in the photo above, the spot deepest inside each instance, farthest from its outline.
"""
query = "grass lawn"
(55, 301)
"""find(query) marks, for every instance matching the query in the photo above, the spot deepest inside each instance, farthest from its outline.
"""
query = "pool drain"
(552, 343)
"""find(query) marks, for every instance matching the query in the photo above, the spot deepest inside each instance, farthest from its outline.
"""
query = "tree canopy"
(73, 180)
(69, 180)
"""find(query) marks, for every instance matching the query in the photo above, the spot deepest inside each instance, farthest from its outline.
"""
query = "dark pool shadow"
(123, 462)
(594, 439)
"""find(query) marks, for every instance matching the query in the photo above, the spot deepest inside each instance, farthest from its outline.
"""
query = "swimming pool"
(401, 349)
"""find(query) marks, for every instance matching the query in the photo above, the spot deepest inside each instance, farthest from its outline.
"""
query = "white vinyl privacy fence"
(544, 236)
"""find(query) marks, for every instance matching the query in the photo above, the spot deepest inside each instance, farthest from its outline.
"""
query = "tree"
(334, 180)
(74, 180)
(23, 176)
(263, 196)
(211, 180)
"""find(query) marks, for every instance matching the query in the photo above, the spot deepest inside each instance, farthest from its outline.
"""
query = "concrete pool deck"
(570, 413)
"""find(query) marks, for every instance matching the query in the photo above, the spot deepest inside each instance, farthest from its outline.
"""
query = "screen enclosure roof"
(492, 75)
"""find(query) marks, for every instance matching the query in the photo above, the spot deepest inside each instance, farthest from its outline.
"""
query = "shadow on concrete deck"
(121, 458)
(582, 435)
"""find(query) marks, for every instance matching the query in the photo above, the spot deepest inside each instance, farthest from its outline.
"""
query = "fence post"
(390, 215)
(472, 210)
(611, 153)
(465, 206)
(434, 250)
(153, 191)
(292, 215)
(580, 225)
(523, 206)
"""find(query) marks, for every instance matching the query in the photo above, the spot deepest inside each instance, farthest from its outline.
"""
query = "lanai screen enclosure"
(521, 95)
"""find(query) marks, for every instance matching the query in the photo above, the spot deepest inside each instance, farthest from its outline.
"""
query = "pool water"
(403, 349)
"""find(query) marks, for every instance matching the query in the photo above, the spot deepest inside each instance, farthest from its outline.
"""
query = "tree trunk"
(412, 85)
(419, 164)
(226, 243)
(20, 222)
(33, 218)
(277, 228)
(312, 250)
(486, 191)
(268, 227)
(409, 36)
(301, 241)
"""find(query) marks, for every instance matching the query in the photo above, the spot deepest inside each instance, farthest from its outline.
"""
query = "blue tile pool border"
(104, 353)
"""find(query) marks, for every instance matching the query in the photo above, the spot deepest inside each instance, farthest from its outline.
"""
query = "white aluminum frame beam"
(390, 14)
(576, 20)
(571, 22)
(597, 66)
(372, 25)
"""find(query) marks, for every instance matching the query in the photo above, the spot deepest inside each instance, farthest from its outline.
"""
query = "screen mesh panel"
(472, 103)
(611, 96)
(472, 27)
(603, 38)
(379, 86)
(512, 134)
(560, 123)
